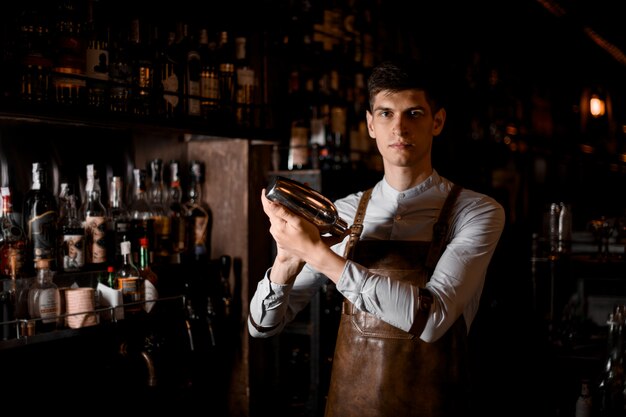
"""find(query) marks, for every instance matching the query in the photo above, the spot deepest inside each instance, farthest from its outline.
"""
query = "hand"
(298, 242)
(293, 234)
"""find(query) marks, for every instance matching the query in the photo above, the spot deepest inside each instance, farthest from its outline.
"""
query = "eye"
(417, 113)
(384, 113)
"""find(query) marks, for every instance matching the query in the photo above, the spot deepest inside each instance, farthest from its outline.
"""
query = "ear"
(439, 119)
(370, 127)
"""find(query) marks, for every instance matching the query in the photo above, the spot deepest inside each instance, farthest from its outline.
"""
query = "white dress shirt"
(476, 224)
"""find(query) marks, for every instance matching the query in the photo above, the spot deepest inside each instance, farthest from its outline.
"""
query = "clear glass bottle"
(44, 298)
(130, 282)
(95, 215)
(159, 202)
(71, 232)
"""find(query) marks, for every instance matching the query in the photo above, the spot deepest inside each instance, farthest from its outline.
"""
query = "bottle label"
(73, 252)
(95, 230)
(131, 291)
(48, 305)
(43, 232)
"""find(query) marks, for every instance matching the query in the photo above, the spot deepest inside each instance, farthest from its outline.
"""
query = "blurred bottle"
(227, 77)
(118, 219)
(96, 58)
(245, 89)
(140, 210)
(611, 386)
(159, 202)
(44, 298)
(584, 403)
(130, 282)
(95, 216)
(71, 232)
(178, 215)
(166, 73)
(141, 59)
(13, 240)
(69, 55)
(209, 76)
(40, 219)
(199, 214)
(150, 278)
(193, 73)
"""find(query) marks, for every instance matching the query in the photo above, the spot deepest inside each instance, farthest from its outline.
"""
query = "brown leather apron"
(379, 370)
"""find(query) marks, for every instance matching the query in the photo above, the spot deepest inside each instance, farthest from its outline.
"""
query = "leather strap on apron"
(381, 370)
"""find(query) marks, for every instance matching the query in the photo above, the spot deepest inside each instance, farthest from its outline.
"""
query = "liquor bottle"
(159, 202)
(71, 232)
(44, 298)
(118, 219)
(166, 72)
(192, 81)
(178, 215)
(40, 217)
(140, 210)
(69, 52)
(33, 56)
(130, 282)
(13, 243)
(245, 89)
(120, 74)
(95, 215)
(142, 69)
(611, 386)
(584, 403)
(151, 279)
(226, 74)
(209, 76)
(96, 59)
(199, 214)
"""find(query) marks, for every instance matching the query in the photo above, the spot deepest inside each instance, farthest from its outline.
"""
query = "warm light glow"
(596, 106)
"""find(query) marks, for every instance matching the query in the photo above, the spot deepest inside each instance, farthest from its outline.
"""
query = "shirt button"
(401, 195)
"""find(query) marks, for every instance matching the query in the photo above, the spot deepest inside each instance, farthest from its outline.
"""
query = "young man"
(412, 288)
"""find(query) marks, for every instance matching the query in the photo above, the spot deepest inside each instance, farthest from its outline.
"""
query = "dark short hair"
(400, 75)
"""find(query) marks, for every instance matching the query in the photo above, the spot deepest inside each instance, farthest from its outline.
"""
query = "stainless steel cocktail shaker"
(308, 203)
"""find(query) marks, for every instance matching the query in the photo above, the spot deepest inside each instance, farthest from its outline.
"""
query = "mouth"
(400, 145)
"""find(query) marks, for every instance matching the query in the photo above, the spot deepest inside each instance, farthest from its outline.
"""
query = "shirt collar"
(391, 193)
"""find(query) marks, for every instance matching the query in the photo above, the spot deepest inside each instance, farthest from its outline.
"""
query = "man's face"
(403, 126)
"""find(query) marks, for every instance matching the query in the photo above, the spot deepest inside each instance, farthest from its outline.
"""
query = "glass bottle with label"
(40, 219)
(159, 202)
(44, 298)
(178, 214)
(95, 215)
(130, 282)
(13, 239)
(140, 210)
(199, 213)
(118, 218)
(71, 232)
(150, 278)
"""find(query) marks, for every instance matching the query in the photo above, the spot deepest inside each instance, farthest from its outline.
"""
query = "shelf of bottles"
(127, 252)
(132, 66)
(297, 77)
(331, 50)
